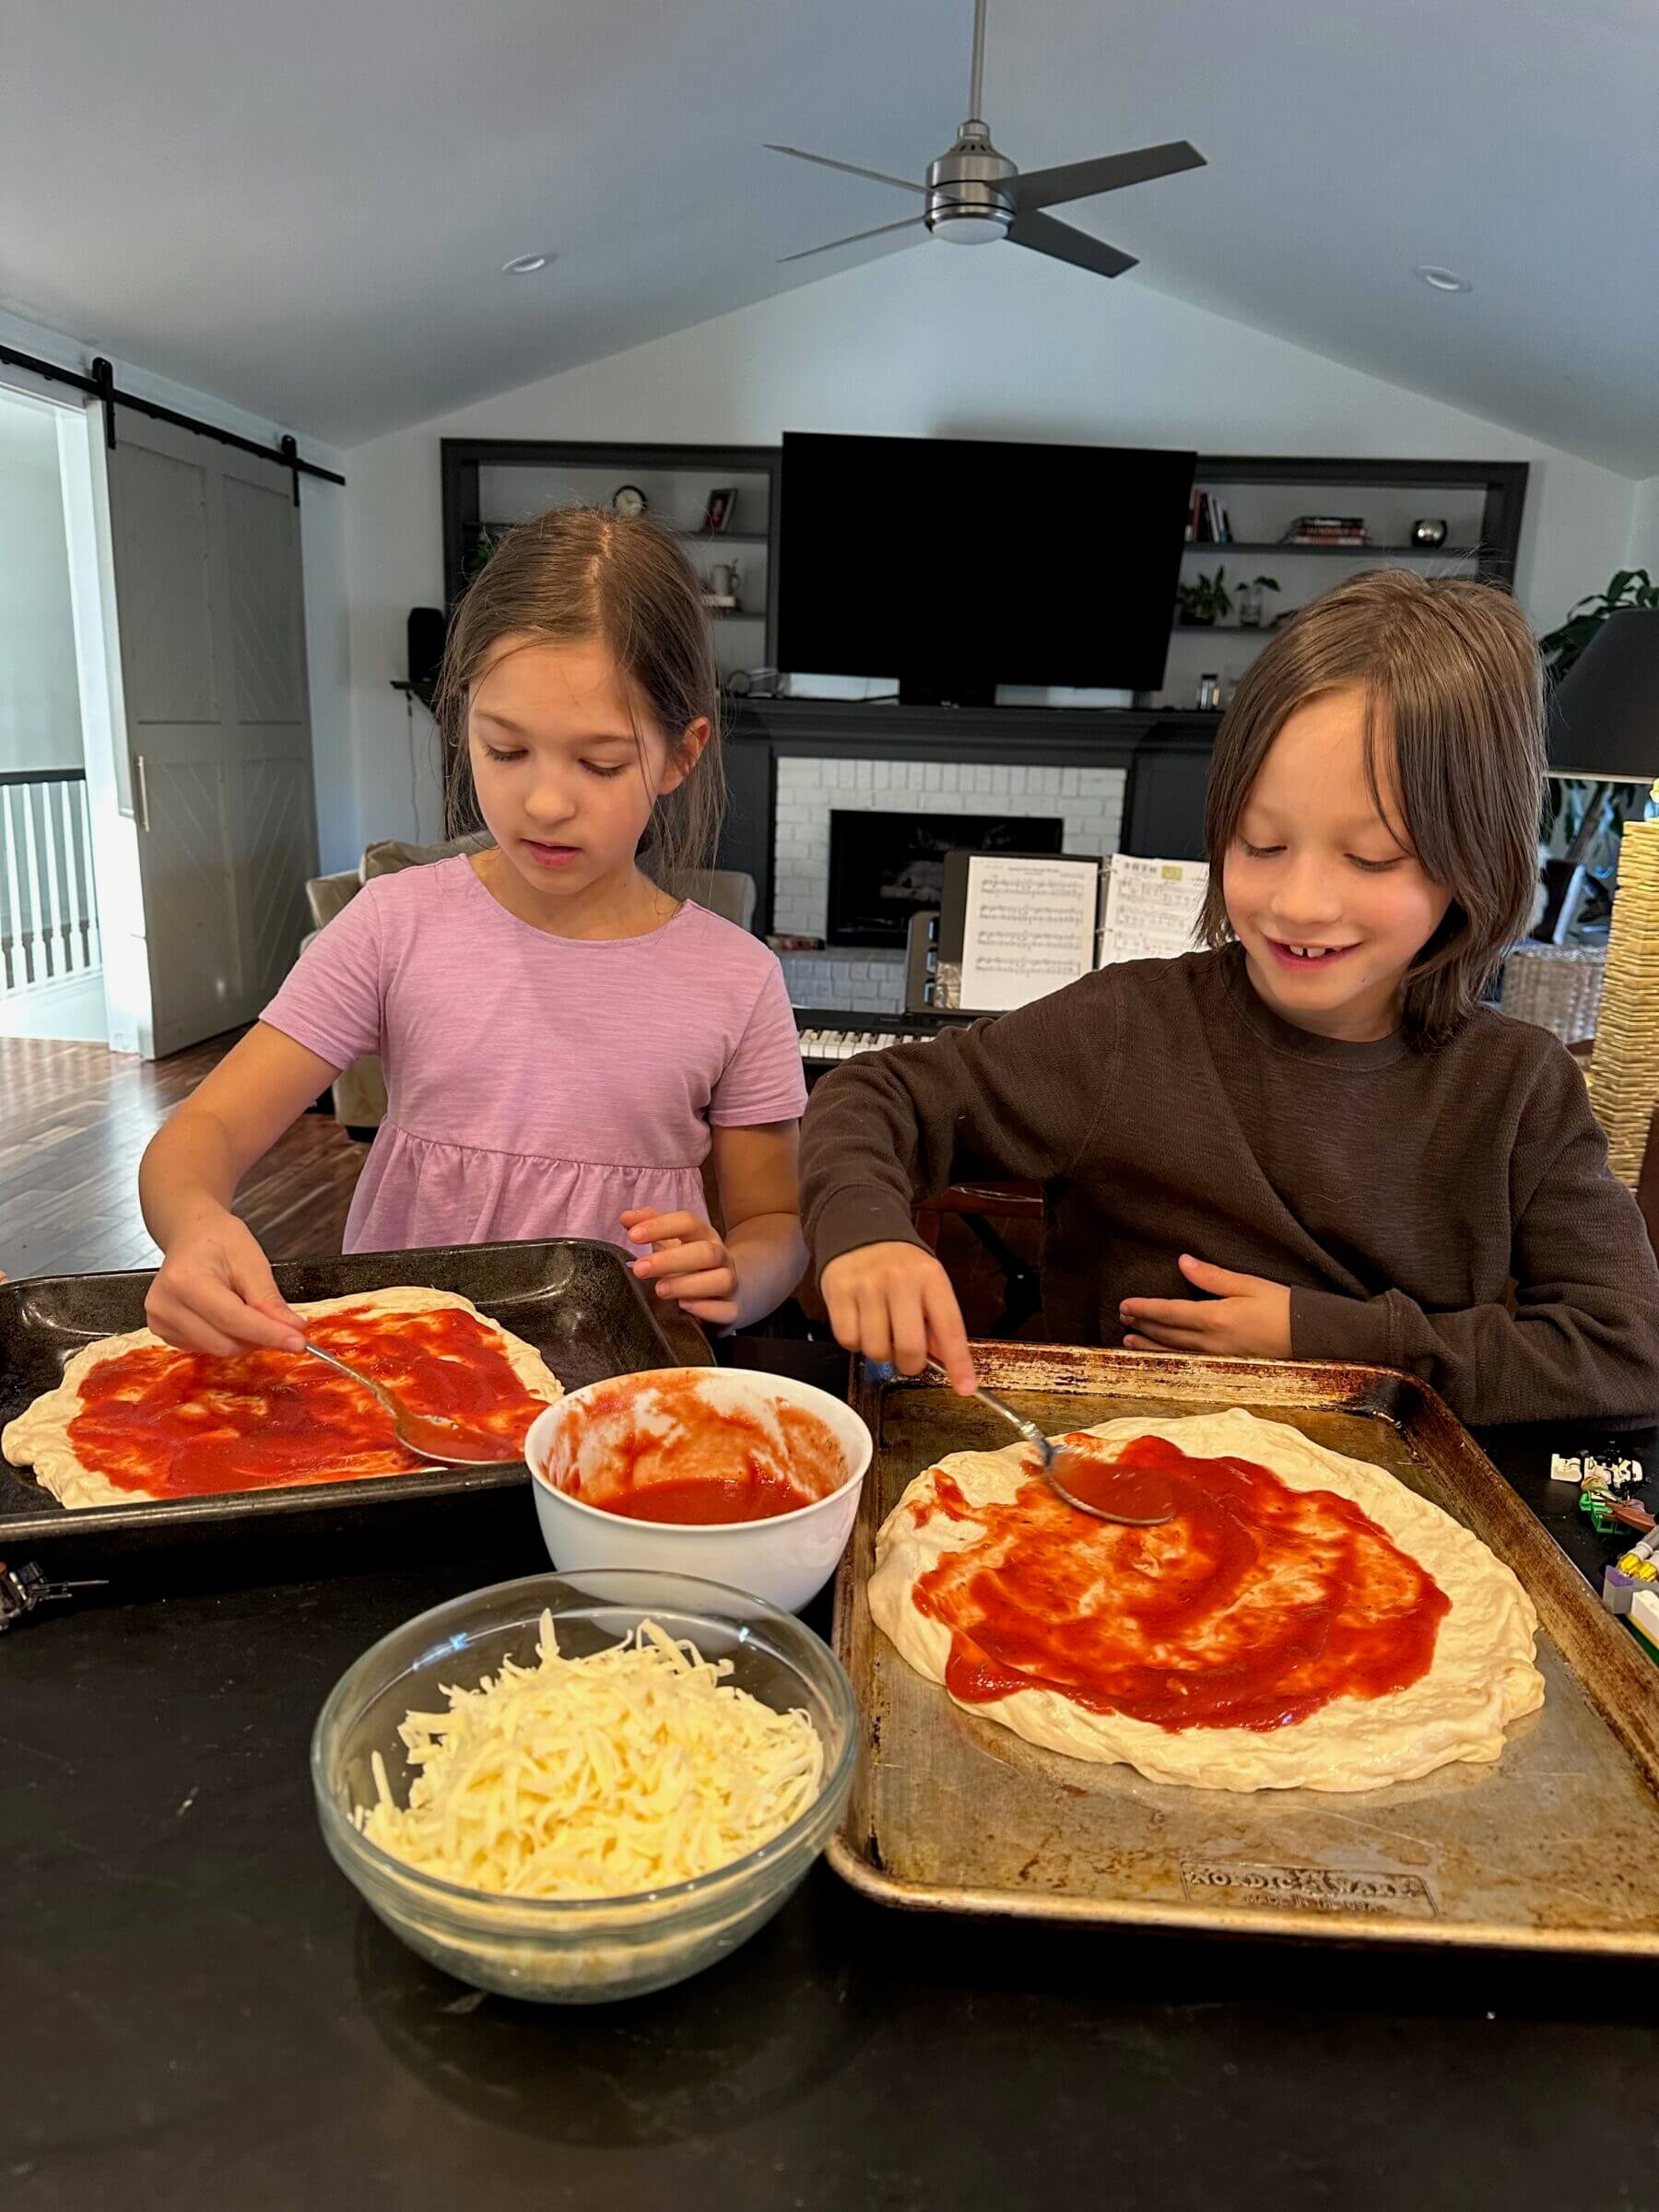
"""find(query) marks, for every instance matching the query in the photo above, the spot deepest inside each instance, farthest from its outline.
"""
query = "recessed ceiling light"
(525, 264)
(1439, 279)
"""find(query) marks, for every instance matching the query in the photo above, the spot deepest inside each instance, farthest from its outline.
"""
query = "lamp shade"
(1603, 719)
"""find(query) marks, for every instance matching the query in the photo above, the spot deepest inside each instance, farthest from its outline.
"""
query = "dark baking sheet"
(1555, 1847)
(574, 1300)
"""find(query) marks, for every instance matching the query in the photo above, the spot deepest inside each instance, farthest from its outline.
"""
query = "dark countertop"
(200, 2014)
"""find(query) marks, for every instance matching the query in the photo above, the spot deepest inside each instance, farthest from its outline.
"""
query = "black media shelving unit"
(489, 483)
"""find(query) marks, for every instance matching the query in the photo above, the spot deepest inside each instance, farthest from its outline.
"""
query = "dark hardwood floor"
(73, 1121)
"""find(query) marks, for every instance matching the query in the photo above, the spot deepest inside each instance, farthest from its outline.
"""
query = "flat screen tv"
(957, 564)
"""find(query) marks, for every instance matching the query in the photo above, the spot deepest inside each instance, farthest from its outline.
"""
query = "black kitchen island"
(200, 2014)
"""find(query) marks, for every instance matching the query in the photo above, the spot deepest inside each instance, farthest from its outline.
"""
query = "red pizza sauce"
(1254, 1607)
(185, 1424)
(663, 1453)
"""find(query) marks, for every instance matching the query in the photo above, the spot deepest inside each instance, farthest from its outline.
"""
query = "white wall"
(1642, 548)
(40, 701)
(998, 343)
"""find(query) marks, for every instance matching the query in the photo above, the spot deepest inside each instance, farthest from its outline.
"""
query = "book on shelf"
(1327, 530)
(1208, 523)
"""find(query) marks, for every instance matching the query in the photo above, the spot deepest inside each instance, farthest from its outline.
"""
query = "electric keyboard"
(828, 1034)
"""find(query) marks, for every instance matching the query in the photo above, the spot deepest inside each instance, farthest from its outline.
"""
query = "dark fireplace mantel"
(1164, 756)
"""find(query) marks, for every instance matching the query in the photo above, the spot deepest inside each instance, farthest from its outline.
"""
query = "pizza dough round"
(1480, 1678)
(41, 1439)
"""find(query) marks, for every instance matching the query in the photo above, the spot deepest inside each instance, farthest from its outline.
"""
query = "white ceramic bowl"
(786, 1560)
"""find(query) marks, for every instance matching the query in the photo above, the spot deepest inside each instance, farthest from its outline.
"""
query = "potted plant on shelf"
(1206, 601)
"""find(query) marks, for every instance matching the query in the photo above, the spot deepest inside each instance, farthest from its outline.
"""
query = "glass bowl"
(575, 1951)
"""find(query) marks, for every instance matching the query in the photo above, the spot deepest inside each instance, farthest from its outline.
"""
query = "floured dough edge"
(40, 1437)
(1482, 1677)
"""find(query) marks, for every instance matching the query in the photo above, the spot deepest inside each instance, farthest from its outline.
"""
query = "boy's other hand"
(894, 1302)
(1241, 1315)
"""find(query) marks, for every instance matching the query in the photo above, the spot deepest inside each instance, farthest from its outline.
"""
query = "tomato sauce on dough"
(185, 1424)
(1254, 1607)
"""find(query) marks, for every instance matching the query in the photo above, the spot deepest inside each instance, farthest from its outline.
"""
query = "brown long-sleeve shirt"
(1397, 1192)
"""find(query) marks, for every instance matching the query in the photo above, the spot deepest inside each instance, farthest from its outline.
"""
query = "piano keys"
(830, 1035)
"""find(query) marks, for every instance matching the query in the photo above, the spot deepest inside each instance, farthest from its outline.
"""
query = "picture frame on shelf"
(717, 514)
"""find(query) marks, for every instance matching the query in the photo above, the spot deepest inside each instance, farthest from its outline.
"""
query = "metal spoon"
(428, 1435)
(1048, 1454)
(1051, 1457)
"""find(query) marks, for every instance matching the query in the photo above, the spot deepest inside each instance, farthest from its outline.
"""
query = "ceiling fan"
(976, 195)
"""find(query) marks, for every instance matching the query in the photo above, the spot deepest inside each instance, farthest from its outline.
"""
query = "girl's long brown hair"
(583, 572)
(1455, 745)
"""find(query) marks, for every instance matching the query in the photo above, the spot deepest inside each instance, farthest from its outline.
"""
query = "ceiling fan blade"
(1082, 180)
(910, 222)
(1044, 235)
(850, 168)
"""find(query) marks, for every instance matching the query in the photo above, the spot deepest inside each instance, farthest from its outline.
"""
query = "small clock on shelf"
(628, 498)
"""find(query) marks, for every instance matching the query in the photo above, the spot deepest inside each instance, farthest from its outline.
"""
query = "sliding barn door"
(210, 618)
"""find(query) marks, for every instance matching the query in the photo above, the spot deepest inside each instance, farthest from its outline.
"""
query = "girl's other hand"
(894, 1302)
(215, 1292)
(1243, 1315)
(688, 1262)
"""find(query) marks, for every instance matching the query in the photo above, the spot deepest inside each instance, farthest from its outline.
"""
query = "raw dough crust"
(40, 1438)
(1481, 1678)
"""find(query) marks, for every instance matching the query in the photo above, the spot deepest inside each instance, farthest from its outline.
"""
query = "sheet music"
(1030, 928)
(1151, 906)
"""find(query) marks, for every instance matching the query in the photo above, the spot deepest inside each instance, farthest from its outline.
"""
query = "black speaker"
(426, 628)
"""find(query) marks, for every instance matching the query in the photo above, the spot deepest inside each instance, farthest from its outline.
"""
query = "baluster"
(53, 886)
(62, 817)
(75, 861)
(18, 844)
(39, 916)
(9, 904)
(94, 933)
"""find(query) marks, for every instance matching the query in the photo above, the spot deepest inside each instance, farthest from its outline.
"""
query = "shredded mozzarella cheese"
(603, 1776)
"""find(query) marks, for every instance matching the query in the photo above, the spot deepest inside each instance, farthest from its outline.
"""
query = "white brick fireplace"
(1089, 801)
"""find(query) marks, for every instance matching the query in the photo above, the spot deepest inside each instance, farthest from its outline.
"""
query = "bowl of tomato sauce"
(740, 1476)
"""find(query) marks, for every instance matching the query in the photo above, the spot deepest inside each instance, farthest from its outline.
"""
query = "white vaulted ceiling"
(304, 207)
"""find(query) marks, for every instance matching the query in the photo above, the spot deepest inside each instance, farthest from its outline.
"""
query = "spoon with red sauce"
(1066, 1471)
(1063, 1471)
(427, 1435)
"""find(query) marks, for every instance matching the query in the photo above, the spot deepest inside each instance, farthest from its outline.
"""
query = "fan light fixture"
(975, 196)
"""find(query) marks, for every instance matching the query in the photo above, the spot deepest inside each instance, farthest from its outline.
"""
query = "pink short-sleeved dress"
(538, 1086)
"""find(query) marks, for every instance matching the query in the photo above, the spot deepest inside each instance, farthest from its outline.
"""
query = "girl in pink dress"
(564, 1043)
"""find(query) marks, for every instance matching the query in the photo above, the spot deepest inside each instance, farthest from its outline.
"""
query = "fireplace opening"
(886, 867)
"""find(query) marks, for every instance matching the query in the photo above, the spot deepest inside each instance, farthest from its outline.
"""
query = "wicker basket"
(1624, 1075)
(1557, 986)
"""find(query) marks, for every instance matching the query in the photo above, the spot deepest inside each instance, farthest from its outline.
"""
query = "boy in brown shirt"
(1310, 1140)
